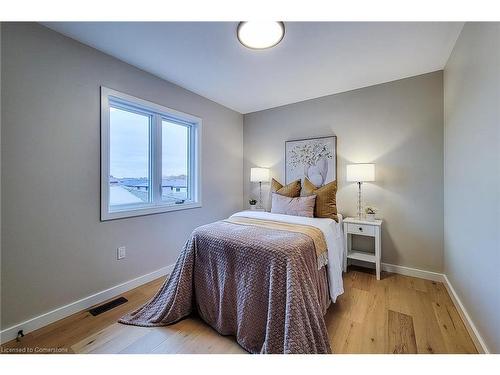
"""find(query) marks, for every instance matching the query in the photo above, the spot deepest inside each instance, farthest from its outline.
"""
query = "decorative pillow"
(291, 190)
(326, 205)
(300, 206)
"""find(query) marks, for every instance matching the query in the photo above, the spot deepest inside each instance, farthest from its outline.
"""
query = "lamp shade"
(360, 172)
(259, 174)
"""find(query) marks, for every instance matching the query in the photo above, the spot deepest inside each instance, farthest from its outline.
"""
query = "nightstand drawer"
(365, 230)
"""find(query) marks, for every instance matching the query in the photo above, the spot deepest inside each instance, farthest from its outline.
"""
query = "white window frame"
(158, 114)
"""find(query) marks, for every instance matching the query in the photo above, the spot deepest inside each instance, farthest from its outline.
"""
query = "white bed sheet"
(334, 238)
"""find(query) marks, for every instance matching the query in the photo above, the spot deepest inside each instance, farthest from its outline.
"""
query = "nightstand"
(363, 228)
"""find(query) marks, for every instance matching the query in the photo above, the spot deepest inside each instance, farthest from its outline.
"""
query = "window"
(149, 157)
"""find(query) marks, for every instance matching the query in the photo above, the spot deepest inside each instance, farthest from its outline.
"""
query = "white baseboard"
(402, 270)
(414, 272)
(82, 304)
(469, 324)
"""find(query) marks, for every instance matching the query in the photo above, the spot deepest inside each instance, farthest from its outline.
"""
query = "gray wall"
(398, 126)
(472, 175)
(55, 249)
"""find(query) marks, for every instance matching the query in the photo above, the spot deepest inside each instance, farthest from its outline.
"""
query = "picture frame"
(314, 158)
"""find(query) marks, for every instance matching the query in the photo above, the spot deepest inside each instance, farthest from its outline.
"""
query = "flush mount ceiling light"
(260, 35)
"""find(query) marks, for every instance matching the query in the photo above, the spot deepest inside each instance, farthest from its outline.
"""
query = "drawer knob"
(360, 229)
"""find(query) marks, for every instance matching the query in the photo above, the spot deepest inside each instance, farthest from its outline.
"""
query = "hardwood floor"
(397, 314)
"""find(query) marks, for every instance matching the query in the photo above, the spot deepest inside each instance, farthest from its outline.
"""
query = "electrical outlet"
(121, 252)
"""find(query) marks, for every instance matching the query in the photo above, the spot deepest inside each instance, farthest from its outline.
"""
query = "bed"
(257, 276)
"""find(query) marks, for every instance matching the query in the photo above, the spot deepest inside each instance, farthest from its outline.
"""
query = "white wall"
(55, 249)
(472, 175)
(398, 126)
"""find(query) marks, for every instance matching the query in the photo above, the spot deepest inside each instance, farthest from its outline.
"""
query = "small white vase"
(370, 217)
(252, 207)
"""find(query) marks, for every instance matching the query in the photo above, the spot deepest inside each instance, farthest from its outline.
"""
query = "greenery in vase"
(370, 210)
(252, 202)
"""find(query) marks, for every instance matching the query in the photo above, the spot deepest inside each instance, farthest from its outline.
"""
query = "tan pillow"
(300, 206)
(291, 190)
(326, 205)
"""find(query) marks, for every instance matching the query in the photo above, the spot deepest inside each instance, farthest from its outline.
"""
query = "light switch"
(121, 252)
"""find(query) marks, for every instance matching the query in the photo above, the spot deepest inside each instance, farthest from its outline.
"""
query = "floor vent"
(108, 306)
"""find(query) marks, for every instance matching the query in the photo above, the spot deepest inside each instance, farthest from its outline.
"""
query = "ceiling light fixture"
(260, 35)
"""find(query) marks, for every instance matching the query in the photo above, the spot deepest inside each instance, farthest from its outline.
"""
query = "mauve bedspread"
(258, 284)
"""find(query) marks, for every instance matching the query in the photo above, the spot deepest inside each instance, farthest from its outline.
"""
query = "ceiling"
(314, 59)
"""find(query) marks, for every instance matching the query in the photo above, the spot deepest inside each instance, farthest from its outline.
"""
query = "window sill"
(126, 213)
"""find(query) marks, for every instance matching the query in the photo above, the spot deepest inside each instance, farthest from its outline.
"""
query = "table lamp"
(259, 175)
(360, 173)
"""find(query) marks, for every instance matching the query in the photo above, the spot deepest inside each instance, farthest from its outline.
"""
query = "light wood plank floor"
(397, 314)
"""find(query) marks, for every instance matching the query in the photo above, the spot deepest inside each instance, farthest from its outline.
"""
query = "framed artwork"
(314, 158)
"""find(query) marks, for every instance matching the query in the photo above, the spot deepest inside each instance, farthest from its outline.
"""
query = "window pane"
(174, 163)
(129, 179)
